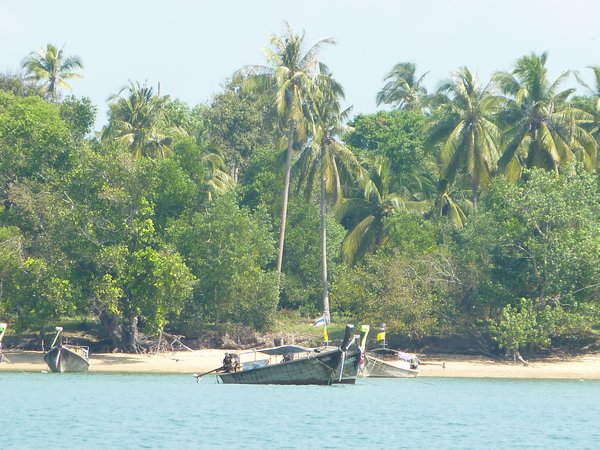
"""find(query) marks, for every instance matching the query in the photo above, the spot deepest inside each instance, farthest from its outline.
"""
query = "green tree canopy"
(537, 240)
(229, 249)
(238, 123)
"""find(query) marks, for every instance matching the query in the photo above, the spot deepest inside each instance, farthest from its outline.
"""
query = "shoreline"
(586, 367)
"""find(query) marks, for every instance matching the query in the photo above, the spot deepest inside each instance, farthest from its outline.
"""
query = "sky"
(192, 47)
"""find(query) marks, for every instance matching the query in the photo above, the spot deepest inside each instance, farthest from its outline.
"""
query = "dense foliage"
(471, 211)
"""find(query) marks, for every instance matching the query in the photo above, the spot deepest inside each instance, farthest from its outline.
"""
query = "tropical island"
(467, 220)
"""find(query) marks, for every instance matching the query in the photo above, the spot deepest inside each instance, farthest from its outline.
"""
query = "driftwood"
(172, 342)
(517, 356)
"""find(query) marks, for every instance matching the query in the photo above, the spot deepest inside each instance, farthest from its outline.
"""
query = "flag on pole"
(381, 334)
(321, 321)
(364, 331)
(325, 334)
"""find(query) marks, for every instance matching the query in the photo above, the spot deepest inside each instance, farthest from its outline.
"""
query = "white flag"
(320, 322)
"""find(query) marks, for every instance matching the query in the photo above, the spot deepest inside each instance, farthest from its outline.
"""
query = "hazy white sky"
(192, 47)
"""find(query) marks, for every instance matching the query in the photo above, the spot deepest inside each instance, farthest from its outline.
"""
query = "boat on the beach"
(65, 357)
(385, 362)
(299, 365)
(378, 368)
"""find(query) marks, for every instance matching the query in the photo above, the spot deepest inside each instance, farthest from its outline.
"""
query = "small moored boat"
(388, 363)
(65, 357)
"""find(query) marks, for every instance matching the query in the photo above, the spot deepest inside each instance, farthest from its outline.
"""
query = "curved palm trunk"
(475, 193)
(286, 191)
(52, 88)
(324, 239)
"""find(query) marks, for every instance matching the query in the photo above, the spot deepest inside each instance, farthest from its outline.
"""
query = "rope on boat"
(320, 362)
(342, 373)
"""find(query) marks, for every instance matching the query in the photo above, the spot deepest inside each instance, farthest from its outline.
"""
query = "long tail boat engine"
(231, 362)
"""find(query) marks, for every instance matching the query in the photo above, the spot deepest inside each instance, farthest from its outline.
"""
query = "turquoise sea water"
(113, 411)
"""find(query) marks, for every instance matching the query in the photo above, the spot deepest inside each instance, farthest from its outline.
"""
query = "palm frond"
(356, 240)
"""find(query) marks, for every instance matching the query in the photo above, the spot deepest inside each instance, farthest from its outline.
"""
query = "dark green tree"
(130, 279)
(229, 250)
(34, 142)
(399, 137)
(238, 123)
(79, 114)
(302, 285)
(536, 240)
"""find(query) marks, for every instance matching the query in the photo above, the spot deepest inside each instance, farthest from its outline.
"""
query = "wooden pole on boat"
(58, 331)
(348, 337)
(198, 376)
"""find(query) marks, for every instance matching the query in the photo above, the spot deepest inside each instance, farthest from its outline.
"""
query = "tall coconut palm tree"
(327, 159)
(465, 126)
(403, 89)
(134, 121)
(51, 66)
(541, 128)
(291, 73)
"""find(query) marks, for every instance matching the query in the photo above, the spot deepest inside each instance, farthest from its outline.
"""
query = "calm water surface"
(109, 411)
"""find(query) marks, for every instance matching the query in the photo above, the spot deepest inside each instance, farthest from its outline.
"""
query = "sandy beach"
(189, 362)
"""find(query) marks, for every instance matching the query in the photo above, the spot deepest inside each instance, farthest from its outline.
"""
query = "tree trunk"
(286, 190)
(324, 239)
(131, 336)
(110, 322)
(475, 193)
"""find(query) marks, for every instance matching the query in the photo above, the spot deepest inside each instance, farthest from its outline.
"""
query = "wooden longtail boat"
(351, 366)
(321, 367)
(389, 364)
(377, 368)
(66, 358)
